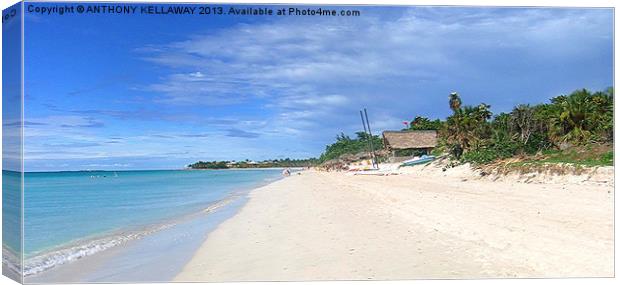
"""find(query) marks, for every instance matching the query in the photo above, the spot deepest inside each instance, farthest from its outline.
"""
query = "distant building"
(408, 142)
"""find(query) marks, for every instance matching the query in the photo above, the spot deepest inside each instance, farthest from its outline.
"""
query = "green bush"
(608, 158)
(423, 123)
(536, 143)
(480, 156)
(438, 151)
(500, 146)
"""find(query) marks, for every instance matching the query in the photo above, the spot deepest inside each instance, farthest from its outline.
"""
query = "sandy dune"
(334, 226)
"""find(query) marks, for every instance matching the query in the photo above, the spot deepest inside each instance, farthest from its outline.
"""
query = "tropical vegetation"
(580, 119)
(287, 162)
(422, 123)
(575, 128)
(346, 145)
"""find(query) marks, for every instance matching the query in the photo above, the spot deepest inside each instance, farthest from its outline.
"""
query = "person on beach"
(286, 172)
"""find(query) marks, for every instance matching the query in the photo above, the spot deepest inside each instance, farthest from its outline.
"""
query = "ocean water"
(70, 215)
(11, 223)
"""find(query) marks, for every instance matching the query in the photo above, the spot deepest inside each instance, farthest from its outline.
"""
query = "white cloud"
(326, 71)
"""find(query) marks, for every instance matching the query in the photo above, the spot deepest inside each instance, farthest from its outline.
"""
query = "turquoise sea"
(71, 215)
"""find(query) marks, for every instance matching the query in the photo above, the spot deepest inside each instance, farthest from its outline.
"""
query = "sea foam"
(86, 247)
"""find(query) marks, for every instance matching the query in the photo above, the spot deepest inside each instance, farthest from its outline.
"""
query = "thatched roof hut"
(400, 140)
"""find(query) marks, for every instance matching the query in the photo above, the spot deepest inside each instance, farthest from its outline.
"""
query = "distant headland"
(287, 162)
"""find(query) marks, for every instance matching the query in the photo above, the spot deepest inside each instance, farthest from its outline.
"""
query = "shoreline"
(246, 168)
(337, 226)
(112, 262)
(143, 170)
(103, 265)
(128, 261)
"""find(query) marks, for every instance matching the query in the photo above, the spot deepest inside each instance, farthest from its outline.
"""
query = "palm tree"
(460, 127)
(602, 118)
(483, 112)
(467, 127)
(574, 116)
(455, 101)
(456, 132)
(522, 121)
(501, 123)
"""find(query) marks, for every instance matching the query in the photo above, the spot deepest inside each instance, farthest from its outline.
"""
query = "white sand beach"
(336, 226)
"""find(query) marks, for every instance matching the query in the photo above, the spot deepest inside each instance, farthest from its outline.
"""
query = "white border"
(519, 3)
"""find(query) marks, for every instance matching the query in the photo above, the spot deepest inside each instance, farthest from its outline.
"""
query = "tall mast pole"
(368, 145)
(372, 148)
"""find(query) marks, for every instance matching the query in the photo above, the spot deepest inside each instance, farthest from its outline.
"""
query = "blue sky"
(11, 96)
(159, 92)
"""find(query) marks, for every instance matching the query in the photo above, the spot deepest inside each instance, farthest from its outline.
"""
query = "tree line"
(286, 162)
(472, 133)
(347, 145)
